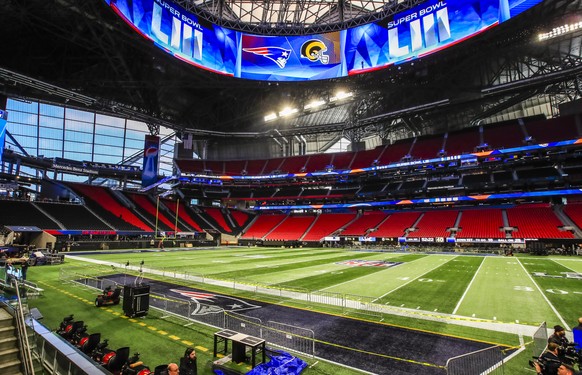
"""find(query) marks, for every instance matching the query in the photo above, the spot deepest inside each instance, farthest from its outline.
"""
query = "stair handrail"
(24, 344)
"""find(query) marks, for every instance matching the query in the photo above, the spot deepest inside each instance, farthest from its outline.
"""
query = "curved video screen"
(420, 31)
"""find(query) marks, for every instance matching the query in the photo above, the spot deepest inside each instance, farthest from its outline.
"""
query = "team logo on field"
(208, 303)
(276, 54)
(368, 263)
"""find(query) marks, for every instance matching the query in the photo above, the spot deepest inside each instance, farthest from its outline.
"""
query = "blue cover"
(281, 364)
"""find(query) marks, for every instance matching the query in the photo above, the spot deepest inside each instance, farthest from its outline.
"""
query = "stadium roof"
(81, 54)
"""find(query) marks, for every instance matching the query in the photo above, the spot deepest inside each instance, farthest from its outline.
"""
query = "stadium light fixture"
(270, 117)
(314, 104)
(560, 30)
(288, 111)
(340, 95)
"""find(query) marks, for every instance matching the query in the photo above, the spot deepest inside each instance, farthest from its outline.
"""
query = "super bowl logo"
(313, 50)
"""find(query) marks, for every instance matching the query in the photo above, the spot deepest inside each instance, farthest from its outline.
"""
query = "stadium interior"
(474, 148)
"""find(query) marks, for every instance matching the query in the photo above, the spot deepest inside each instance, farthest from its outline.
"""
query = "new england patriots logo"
(276, 54)
(208, 303)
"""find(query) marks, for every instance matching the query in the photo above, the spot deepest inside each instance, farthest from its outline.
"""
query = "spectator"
(188, 363)
(550, 360)
(559, 336)
(24, 269)
(565, 369)
(577, 331)
(173, 369)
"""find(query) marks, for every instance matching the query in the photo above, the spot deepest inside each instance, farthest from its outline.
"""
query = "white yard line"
(417, 277)
(564, 324)
(469, 286)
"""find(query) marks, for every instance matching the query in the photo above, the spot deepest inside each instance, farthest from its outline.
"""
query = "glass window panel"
(50, 133)
(109, 130)
(50, 153)
(75, 114)
(76, 155)
(51, 122)
(137, 125)
(85, 148)
(110, 120)
(134, 144)
(108, 150)
(78, 137)
(25, 141)
(108, 141)
(52, 144)
(79, 126)
(165, 131)
(106, 159)
(52, 110)
(133, 134)
(17, 105)
(22, 118)
(21, 130)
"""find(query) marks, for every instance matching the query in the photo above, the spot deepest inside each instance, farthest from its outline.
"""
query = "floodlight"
(288, 111)
(270, 117)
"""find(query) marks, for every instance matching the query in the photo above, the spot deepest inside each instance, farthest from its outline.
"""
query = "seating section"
(535, 221)
(435, 224)
(73, 216)
(462, 141)
(183, 214)
(427, 147)
(504, 135)
(292, 228)
(368, 220)
(241, 218)
(99, 199)
(326, 224)
(217, 215)
(152, 213)
(396, 224)
(481, 223)
(574, 212)
(262, 225)
(15, 212)
(553, 130)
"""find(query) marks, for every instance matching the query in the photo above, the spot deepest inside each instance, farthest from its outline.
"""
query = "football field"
(519, 290)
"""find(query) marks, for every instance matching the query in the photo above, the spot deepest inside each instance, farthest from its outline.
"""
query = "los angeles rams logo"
(313, 50)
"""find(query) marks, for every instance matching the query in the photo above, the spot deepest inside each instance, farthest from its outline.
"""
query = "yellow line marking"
(162, 332)
(173, 337)
(201, 348)
(189, 343)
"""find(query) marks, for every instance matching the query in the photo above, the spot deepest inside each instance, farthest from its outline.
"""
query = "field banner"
(180, 33)
(3, 120)
(150, 160)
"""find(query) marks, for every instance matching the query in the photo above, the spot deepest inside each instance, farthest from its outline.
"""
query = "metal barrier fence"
(480, 362)
(244, 324)
(540, 340)
(287, 336)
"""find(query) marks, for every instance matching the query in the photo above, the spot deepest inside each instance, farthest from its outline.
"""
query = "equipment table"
(239, 343)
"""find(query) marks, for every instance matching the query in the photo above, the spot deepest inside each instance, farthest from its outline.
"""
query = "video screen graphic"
(296, 58)
(423, 30)
(415, 33)
(181, 33)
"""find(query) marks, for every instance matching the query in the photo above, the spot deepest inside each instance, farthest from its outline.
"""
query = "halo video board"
(415, 33)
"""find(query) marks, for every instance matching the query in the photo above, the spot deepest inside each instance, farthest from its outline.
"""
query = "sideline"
(497, 326)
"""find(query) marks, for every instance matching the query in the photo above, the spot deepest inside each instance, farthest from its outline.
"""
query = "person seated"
(549, 361)
(188, 363)
(566, 369)
(559, 336)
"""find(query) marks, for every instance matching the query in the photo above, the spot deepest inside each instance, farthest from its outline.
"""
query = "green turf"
(437, 290)
(496, 288)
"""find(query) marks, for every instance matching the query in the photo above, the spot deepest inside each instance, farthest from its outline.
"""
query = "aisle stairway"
(9, 353)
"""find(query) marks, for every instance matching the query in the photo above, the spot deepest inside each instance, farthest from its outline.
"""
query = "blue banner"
(151, 154)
